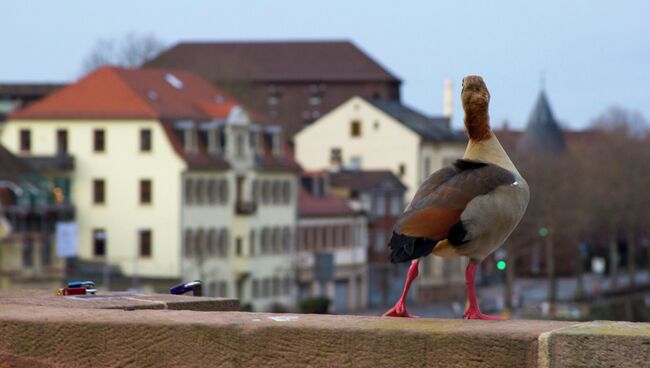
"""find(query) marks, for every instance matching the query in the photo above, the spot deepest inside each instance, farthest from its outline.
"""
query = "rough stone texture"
(597, 344)
(60, 337)
(118, 300)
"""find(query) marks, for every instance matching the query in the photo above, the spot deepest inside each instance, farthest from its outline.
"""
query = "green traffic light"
(543, 232)
(501, 265)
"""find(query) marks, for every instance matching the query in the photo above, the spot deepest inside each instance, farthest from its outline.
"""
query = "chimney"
(448, 108)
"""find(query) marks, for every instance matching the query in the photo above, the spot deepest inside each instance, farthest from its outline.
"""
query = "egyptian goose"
(466, 209)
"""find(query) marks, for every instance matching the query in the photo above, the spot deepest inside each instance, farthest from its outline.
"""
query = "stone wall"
(45, 336)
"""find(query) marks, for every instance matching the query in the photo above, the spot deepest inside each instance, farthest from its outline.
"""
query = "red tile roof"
(119, 93)
(329, 206)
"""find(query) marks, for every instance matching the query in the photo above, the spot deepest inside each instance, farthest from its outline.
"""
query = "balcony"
(245, 208)
(60, 162)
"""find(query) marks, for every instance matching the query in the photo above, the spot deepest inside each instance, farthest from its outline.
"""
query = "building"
(379, 194)
(375, 134)
(31, 205)
(171, 180)
(18, 95)
(332, 246)
(379, 134)
(292, 83)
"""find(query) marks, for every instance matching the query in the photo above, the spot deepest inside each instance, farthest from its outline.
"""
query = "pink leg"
(473, 311)
(399, 310)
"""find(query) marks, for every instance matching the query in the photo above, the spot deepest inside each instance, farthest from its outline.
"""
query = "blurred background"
(266, 148)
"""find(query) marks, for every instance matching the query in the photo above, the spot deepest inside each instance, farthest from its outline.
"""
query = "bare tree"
(620, 161)
(130, 51)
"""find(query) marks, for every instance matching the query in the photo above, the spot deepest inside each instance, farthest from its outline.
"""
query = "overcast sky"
(594, 54)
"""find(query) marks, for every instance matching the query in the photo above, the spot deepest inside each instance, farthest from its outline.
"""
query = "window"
(25, 140)
(99, 243)
(61, 141)
(212, 243)
(380, 241)
(189, 243)
(145, 191)
(199, 192)
(145, 140)
(266, 240)
(355, 129)
(380, 204)
(256, 288)
(189, 191)
(28, 252)
(99, 195)
(145, 243)
(276, 240)
(46, 252)
(266, 192)
(99, 140)
(275, 286)
(266, 287)
(277, 192)
(395, 204)
(251, 243)
(201, 243)
(255, 191)
(347, 239)
(315, 100)
(286, 240)
(286, 285)
(223, 289)
(286, 192)
(273, 100)
(238, 246)
(240, 144)
(355, 162)
(223, 191)
(223, 242)
(213, 191)
(336, 157)
(427, 167)
(402, 169)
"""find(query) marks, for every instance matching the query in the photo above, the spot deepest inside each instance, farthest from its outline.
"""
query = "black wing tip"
(405, 248)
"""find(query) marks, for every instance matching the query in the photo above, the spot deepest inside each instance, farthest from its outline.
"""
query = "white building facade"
(171, 181)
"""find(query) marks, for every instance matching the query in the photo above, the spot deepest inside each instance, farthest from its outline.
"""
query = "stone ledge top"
(117, 300)
(45, 336)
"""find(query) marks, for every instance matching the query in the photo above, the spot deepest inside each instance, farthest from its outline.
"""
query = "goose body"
(466, 209)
